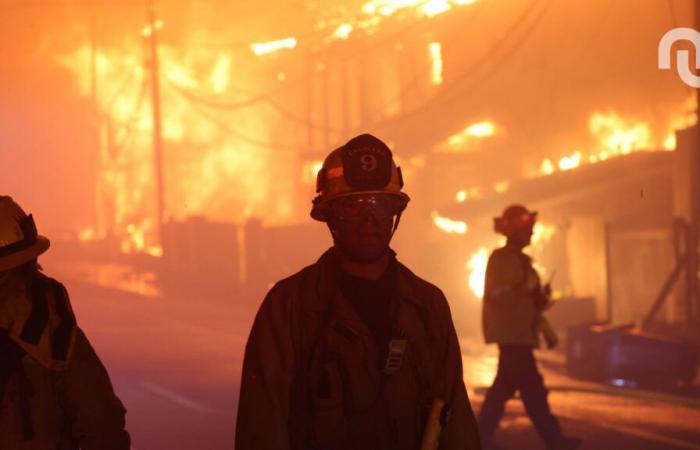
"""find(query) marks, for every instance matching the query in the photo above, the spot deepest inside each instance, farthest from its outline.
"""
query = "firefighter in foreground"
(355, 351)
(512, 318)
(54, 392)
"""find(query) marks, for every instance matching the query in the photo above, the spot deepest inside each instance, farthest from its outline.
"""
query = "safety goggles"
(355, 207)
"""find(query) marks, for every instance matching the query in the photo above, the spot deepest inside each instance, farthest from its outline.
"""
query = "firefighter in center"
(355, 352)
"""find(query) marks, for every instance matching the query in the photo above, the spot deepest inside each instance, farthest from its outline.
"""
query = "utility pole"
(151, 33)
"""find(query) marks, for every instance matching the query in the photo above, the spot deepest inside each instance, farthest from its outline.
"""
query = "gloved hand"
(543, 299)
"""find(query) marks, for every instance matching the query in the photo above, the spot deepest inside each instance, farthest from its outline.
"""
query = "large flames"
(617, 136)
(219, 162)
(373, 12)
(226, 145)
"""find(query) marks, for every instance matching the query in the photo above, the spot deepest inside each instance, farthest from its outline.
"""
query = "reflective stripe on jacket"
(311, 379)
(509, 315)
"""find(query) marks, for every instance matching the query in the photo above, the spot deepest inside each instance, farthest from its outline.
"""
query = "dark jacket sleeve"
(461, 431)
(98, 415)
(265, 397)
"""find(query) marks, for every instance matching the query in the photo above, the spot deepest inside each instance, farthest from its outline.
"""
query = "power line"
(268, 97)
(241, 136)
(253, 101)
(445, 92)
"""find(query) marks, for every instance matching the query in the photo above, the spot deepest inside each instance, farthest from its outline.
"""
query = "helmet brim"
(24, 256)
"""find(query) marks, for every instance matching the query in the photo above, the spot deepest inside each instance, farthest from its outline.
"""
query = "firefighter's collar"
(42, 323)
(325, 285)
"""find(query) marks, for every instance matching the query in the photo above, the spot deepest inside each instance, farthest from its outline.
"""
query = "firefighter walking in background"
(54, 392)
(512, 318)
(355, 351)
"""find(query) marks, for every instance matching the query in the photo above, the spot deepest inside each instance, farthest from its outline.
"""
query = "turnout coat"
(54, 391)
(314, 377)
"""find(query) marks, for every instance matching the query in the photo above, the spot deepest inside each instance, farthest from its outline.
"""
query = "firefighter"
(512, 318)
(54, 391)
(355, 351)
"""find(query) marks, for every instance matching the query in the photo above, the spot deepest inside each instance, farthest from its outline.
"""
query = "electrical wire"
(277, 146)
(253, 101)
(268, 97)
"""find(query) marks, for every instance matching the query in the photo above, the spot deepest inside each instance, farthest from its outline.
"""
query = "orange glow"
(265, 48)
(570, 162)
(461, 196)
(547, 167)
(373, 12)
(226, 171)
(542, 233)
(343, 31)
(220, 75)
(448, 225)
(477, 271)
(427, 8)
(311, 170)
(460, 141)
(476, 265)
(87, 234)
(501, 187)
(618, 135)
(435, 49)
(481, 129)
(472, 193)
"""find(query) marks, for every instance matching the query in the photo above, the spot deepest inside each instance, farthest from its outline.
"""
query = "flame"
(343, 31)
(481, 129)
(547, 167)
(426, 8)
(570, 162)
(618, 135)
(373, 12)
(435, 49)
(542, 233)
(448, 225)
(211, 168)
(474, 193)
(220, 75)
(461, 196)
(148, 29)
(311, 170)
(264, 48)
(477, 271)
(471, 133)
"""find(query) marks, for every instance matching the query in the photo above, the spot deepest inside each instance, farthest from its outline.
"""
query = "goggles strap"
(396, 223)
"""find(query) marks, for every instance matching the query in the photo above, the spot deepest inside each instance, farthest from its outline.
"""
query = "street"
(176, 365)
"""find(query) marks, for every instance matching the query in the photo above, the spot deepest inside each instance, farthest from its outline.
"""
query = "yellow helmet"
(364, 165)
(19, 241)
